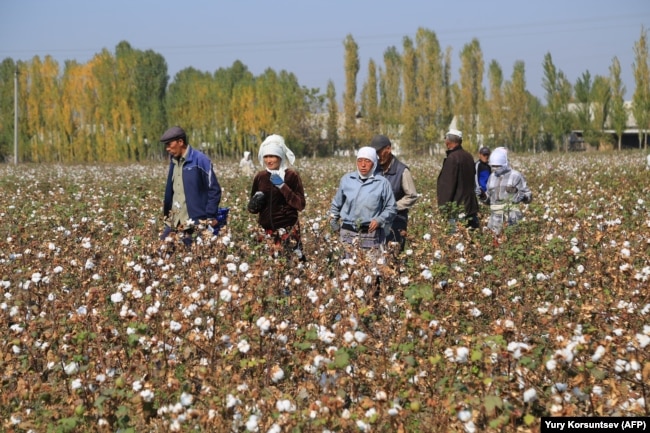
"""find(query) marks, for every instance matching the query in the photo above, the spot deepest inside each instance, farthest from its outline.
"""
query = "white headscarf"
(369, 153)
(499, 158)
(274, 145)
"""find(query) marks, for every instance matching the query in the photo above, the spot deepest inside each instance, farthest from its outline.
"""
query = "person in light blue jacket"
(363, 207)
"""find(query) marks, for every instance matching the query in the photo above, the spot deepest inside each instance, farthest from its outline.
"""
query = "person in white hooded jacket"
(246, 165)
(506, 190)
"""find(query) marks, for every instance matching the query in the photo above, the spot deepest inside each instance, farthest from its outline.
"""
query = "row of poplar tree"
(114, 107)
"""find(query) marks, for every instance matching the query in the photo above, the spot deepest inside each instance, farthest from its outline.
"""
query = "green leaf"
(492, 402)
(529, 419)
(341, 359)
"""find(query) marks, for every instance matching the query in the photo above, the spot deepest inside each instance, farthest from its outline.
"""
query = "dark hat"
(379, 142)
(484, 151)
(173, 133)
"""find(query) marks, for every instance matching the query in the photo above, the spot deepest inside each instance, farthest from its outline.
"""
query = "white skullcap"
(499, 156)
(455, 132)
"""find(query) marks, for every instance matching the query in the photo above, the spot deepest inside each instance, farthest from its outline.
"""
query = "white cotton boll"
(36, 277)
(325, 335)
(625, 252)
(512, 282)
(488, 258)
(460, 247)
(147, 395)
(381, 396)
(263, 323)
(643, 340)
(530, 395)
(551, 364)
(348, 337)
(225, 295)
(232, 401)
(486, 292)
(76, 384)
(426, 237)
(359, 293)
(277, 374)
(475, 312)
(285, 406)
(541, 277)
(600, 351)
(243, 268)
(117, 297)
(243, 346)
(174, 326)
(404, 280)
(363, 426)
(464, 415)
(251, 424)
(426, 274)
(621, 365)
(360, 336)
(470, 427)
(368, 279)
(71, 368)
(462, 354)
(575, 250)
(186, 399)
(137, 386)
(437, 255)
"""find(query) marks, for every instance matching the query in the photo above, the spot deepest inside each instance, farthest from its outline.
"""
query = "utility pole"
(16, 116)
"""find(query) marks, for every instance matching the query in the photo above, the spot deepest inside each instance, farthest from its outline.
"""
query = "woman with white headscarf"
(277, 195)
(364, 207)
(506, 189)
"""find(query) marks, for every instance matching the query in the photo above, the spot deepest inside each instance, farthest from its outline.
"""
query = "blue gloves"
(276, 180)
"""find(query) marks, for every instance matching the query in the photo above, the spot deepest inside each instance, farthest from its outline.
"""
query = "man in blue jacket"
(192, 193)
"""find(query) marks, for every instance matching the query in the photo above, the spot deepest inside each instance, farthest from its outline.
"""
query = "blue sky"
(306, 37)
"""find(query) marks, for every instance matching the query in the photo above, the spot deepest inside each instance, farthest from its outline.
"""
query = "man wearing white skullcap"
(506, 189)
(277, 195)
(363, 207)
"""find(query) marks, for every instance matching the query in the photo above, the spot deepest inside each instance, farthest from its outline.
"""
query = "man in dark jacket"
(455, 189)
(192, 193)
(401, 182)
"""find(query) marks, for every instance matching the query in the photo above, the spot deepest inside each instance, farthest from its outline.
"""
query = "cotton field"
(106, 328)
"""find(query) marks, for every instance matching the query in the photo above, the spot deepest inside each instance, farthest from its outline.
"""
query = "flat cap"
(173, 133)
(484, 151)
(379, 142)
